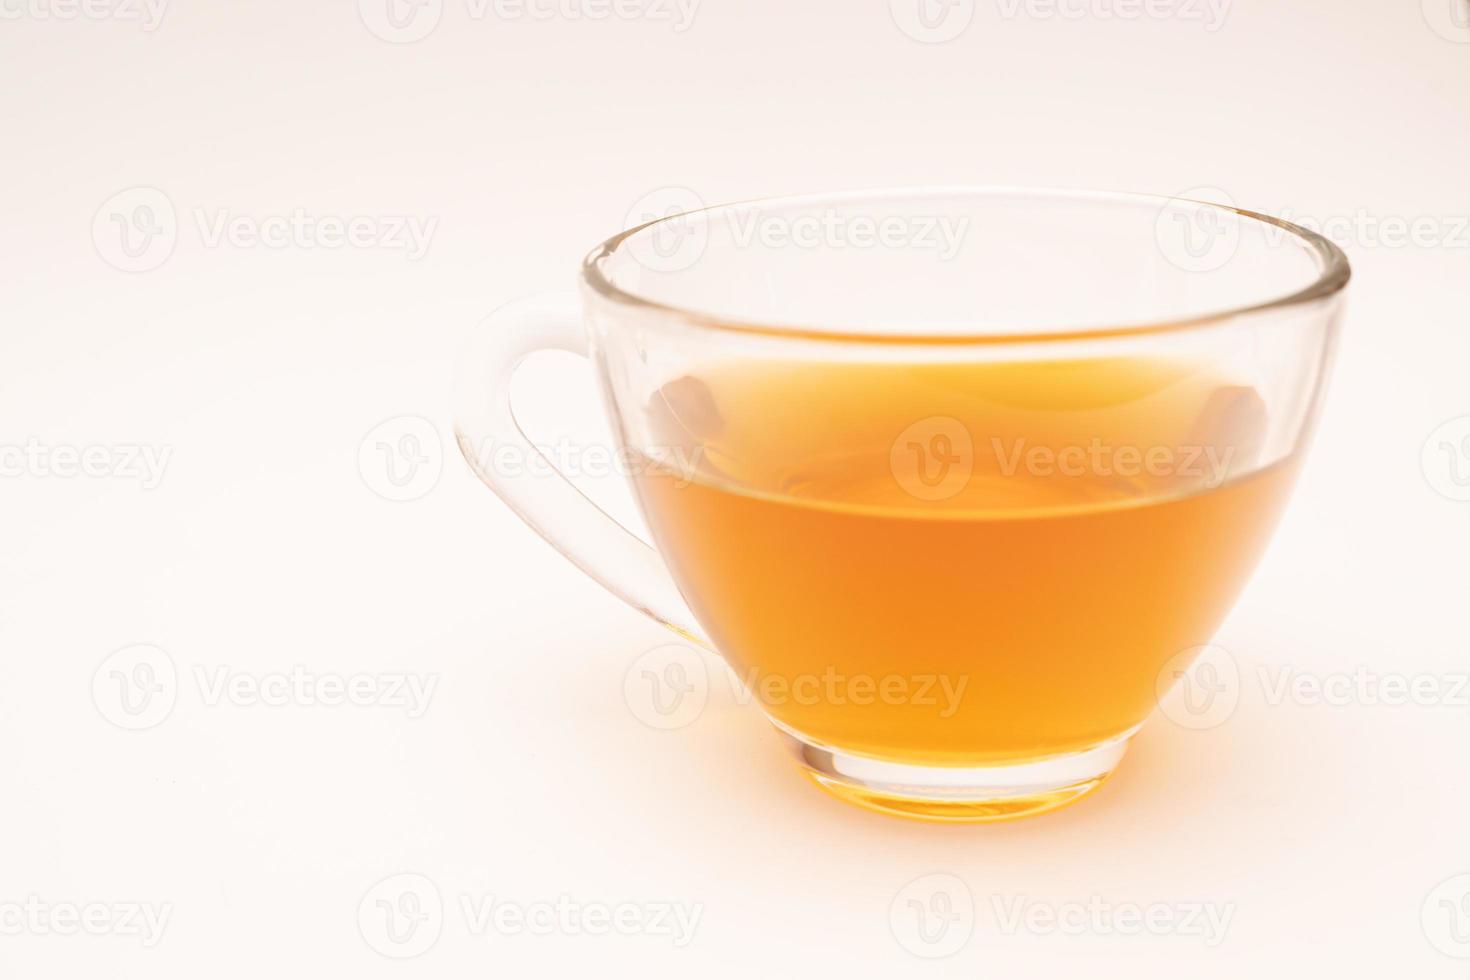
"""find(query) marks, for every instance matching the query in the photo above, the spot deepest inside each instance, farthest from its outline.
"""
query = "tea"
(960, 564)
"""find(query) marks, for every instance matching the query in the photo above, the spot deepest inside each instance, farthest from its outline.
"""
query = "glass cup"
(957, 481)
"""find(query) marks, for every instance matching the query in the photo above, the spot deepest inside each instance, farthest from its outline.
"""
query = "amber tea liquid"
(960, 564)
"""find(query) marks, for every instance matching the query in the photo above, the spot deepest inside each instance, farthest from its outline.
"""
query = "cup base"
(958, 794)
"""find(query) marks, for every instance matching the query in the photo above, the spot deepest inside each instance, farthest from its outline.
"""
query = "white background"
(1322, 830)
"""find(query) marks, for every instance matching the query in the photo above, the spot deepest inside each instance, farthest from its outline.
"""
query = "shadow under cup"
(955, 480)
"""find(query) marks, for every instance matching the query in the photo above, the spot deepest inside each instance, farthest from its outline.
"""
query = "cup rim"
(1332, 277)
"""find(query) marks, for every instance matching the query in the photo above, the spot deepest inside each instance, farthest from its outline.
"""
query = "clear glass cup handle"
(485, 426)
